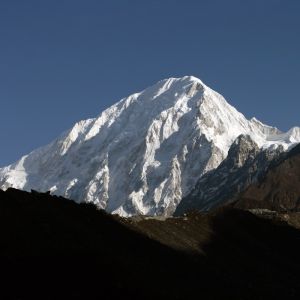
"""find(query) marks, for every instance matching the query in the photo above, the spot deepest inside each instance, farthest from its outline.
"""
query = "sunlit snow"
(146, 152)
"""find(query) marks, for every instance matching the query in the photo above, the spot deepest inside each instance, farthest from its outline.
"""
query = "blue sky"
(63, 61)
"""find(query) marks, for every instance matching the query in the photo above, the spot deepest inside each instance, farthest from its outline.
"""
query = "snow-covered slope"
(146, 152)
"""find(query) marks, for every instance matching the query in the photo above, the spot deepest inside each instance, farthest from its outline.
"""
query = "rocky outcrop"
(279, 189)
(245, 164)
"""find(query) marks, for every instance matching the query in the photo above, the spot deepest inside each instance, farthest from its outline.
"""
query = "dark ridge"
(279, 190)
(53, 248)
(250, 179)
(246, 163)
(295, 151)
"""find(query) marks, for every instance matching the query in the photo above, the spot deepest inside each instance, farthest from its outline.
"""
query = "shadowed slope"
(52, 248)
(280, 188)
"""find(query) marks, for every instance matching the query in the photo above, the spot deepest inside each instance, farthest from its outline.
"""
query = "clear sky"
(66, 60)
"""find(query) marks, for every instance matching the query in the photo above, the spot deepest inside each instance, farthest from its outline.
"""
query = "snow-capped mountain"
(146, 152)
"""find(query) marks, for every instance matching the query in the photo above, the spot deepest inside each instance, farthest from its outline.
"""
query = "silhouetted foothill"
(53, 248)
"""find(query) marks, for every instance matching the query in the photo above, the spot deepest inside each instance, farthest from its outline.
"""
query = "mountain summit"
(146, 152)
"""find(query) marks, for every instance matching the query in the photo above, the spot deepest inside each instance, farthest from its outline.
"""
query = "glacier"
(145, 153)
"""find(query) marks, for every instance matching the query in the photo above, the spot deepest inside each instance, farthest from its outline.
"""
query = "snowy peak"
(146, 152)
(265, 129)
(293, 135)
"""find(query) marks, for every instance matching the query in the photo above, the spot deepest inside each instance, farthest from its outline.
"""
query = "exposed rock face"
(146, 152)
(250, 178)
(279, 190)
(245, 164)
